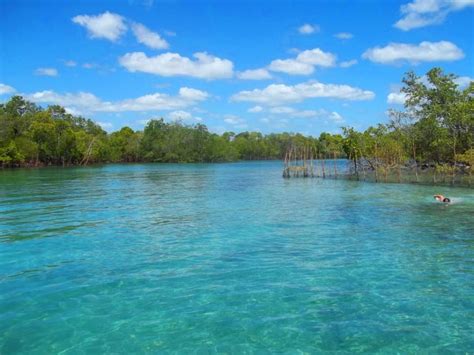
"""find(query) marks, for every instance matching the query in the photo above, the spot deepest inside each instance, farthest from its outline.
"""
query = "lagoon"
(230, 258)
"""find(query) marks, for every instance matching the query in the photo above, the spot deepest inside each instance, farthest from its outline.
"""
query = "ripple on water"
(230, 258)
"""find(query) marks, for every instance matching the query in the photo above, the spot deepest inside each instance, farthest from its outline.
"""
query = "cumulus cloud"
(334, 116)
(254, 74)
(205, 66)
(193, 94)
(421, 13)
(344, 35)
(87, 102)
(46, 72)
(282, 110)
(148, 37)
(144, 122)
(80, 99)
(412, 53)
(348, 63)
(463, 81)
(107, 25)
(181, 115)
(235, 121)
(308, 29)
(105, 125)
(70, 63)
(304, 63)
(6, 89)
(291, 112)
(291, 66)
(255, 109)
(397, 98)
(278, 94)
(317, 57)
(112, 26)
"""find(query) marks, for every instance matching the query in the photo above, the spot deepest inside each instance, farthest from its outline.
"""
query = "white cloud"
(334, 116)
(304, 63)
(180, 115)
(291, 112)
(87, 102)
(255, 109)
(317, 57)
(305, 114)
(463, 81)
(107, 25)
(172, 64)
(78, 100)
(105, 125)
(231, 119)
(148, 38)
(282, 110)
(348, 63)
(235, 121)
(70, 63)
(144, 122)
(308, 29)
(193, 94)
(254, 74)
(72, 111)
(112, 26)
(278, 94)
(89, 65)
(6, 89)
(291, 66)
(421, 13)
(423, 52)
(344, 35)
(397, 98)
(183, 116)
(46, 72)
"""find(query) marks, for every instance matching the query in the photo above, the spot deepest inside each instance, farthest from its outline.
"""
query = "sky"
(268, 66)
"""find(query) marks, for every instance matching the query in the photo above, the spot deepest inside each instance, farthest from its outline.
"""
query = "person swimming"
(441, 198)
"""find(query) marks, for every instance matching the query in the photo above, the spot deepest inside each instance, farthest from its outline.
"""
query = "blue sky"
(270, 66)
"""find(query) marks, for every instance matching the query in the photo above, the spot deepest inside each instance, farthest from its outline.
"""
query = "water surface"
(230, 258)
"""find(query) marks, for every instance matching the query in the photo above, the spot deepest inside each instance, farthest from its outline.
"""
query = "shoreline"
(425, 175)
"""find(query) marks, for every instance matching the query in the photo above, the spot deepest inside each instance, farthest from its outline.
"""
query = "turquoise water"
(230, 258)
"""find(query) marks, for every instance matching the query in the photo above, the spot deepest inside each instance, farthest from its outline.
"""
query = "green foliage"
(11, 155)
(436, 127)
(466, 158)
(124, 145)
(442, 115)
(33, 136)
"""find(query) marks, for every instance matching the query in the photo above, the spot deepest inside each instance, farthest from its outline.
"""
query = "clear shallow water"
(230, 258)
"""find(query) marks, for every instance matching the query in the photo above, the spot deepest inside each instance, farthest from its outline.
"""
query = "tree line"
(436, 128)
(34, 136)
(434, 131)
